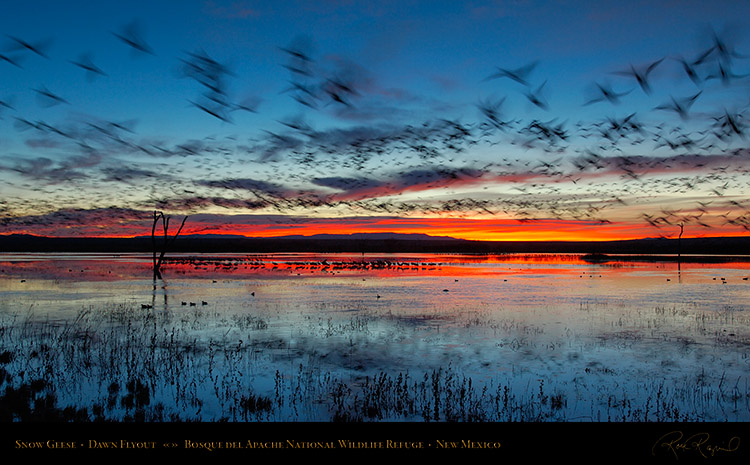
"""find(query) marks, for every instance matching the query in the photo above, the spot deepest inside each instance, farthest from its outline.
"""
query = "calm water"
(59, 282)
(588, 332)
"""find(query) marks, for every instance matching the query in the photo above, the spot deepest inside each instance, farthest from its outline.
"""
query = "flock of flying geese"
(436, 153)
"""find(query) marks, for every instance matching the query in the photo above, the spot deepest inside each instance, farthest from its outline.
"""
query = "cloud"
(65, 218)
(348, 184)
(190, 204)
(130, 174)
(46, 170)
(415, 180)
(639, 165)
(251, 185)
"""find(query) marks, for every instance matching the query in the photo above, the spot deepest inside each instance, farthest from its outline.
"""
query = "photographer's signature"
(677, 443)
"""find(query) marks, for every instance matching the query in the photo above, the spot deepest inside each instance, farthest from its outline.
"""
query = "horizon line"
(374, 234)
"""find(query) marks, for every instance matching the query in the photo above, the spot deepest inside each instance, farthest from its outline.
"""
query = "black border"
(662, 442)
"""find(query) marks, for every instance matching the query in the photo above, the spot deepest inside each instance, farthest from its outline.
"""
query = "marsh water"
(563, 338)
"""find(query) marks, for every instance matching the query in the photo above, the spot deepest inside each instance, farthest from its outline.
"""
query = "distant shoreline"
(689, 258)
(693, 249)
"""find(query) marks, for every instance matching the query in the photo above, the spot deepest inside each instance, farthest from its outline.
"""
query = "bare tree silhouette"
(167, 240)
(679, 248)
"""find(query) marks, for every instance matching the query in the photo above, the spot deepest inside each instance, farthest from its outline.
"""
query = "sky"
(492, 120)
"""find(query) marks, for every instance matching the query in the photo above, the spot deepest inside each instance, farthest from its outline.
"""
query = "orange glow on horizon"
(459, 228)
(469, 229)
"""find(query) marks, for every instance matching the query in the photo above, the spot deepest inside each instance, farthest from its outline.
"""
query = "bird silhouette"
(725, 74)
(679, 106)
(131, 35)
(86, 63)
(691, 67)
(48, 98)
(641, 74)
(537, 98)
(10, 60)
(606, 93)
(39, 48)
(519, 75)
(6, 104)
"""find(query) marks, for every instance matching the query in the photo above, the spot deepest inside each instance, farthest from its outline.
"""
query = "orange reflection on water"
(94, 267)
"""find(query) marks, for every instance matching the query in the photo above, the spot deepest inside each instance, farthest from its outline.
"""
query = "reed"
(121, 363)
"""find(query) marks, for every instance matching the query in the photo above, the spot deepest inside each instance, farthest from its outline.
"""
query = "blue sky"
(374, 110)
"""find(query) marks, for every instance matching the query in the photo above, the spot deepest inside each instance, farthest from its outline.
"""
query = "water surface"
(590, 334)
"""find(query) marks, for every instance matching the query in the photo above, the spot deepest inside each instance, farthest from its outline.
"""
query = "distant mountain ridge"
(356, 236)
(374, 236)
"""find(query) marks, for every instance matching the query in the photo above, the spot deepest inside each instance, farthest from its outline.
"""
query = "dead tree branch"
(167, 243)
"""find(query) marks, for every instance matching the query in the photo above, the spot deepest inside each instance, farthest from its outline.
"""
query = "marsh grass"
(121, 363)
